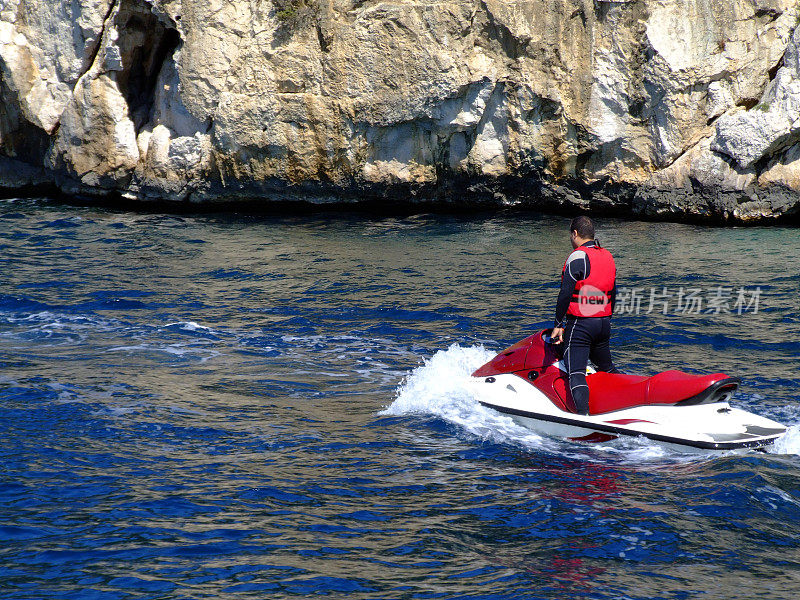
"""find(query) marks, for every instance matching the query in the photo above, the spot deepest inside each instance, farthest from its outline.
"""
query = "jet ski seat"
(613, 391)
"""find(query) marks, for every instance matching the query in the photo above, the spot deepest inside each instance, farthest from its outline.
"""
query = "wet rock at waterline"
(639, 106)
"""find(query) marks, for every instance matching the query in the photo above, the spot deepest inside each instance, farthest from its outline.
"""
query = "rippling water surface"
(227, 406)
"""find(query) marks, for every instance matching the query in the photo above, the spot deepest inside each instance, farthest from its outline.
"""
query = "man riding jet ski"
(584, 307)
(530, 383)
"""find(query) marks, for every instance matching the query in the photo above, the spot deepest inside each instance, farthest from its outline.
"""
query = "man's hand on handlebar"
(557, 335)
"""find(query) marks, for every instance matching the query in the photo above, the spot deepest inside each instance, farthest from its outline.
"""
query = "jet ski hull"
(705, 421)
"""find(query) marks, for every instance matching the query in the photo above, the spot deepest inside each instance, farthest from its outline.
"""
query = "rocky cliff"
(684, 108)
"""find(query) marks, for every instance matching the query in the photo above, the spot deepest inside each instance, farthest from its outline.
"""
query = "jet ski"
(528, 382)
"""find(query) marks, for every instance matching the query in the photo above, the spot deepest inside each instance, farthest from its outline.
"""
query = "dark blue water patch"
(113, 304)
(16, 235)
(676, 337)
(395, 331)
(27, 308)
(11, 304)
(27, 394)
(13, 533)
(44, 241)
(65, 223)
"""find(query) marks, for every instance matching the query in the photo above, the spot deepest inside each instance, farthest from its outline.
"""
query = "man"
(583, 309)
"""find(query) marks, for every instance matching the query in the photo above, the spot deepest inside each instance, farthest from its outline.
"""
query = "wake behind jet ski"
(528, 382)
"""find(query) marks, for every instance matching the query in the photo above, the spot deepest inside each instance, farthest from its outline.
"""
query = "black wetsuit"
(585, 338)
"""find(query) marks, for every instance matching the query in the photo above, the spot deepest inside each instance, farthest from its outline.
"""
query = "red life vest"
(592, 296)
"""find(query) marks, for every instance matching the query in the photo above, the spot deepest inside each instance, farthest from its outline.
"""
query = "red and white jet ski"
(527, 381)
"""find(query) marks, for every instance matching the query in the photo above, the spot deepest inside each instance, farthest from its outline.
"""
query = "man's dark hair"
(584, 226)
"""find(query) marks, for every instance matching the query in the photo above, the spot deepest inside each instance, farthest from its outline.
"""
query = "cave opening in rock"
(145, 42)
(18, 138)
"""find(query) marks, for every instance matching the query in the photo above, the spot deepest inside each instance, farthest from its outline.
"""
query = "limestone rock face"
(661, 107)
(747, 136)
(784, 172)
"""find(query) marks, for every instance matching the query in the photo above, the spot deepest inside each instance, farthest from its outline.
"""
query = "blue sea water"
(244, 406)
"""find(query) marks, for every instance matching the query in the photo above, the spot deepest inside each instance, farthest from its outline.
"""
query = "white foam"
(189, 326)
(788, 443)
(440, 387)
(48, 328)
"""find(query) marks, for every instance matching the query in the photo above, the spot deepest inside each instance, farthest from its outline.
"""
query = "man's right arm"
(564, 298)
